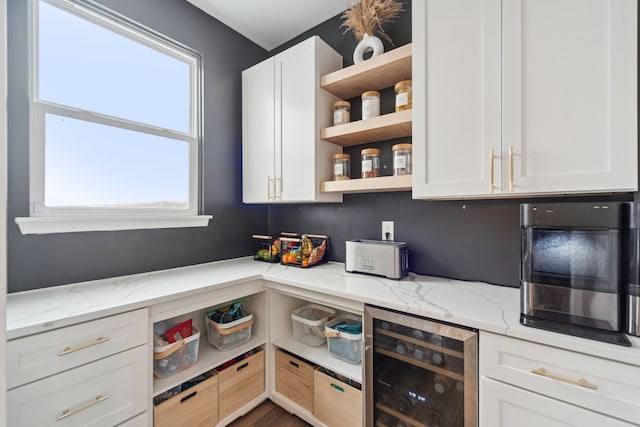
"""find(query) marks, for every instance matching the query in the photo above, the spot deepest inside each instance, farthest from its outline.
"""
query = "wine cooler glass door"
(419, 372)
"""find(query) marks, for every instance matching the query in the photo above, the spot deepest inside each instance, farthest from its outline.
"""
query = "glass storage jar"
(402, 159)
(370, 104)
(341, 166)
(370, 162)
(404, 95)
(341, 112)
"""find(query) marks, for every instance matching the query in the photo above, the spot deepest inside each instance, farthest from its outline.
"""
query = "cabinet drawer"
(294, 379)
(102, 393)
(141, 420)
(41, 355)
(194, 407)
(502, 405)
(240, 383)
(617, 385)
(336, 403)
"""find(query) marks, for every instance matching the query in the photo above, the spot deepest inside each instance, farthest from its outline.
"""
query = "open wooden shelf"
(381, 128)
(368, 185)
(321, 356)
(209, 357)
(376, 73)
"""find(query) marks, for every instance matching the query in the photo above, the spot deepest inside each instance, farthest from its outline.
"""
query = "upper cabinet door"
(570, 95)
(258, 137)
(296, 85)
(456, 102)
(519, 97)
(284, 108)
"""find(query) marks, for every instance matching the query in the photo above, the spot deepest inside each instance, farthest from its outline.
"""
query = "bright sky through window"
(133, 147)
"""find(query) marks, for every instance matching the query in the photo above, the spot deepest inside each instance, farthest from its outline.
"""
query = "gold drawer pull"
(579, 382)
(98, 340)
(68, 412)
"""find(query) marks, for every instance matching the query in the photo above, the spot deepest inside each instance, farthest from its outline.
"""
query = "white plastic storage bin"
(308, 323)
(224, 336)
(178, 356)
(345, 345)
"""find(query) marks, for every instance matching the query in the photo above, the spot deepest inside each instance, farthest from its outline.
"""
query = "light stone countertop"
(474, 304)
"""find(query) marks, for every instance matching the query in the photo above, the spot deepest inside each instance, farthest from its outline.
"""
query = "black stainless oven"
(571, 269)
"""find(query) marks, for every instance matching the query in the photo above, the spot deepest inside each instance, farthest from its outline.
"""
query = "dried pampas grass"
(367, 17)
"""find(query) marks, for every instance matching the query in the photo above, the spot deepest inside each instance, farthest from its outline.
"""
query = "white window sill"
(71, 224)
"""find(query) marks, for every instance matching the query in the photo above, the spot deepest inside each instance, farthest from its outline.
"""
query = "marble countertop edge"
(476, 305)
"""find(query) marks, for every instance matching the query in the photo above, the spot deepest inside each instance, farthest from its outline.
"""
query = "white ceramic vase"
(368, 43)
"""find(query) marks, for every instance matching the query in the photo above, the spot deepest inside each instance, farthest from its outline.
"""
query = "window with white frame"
(114, 123)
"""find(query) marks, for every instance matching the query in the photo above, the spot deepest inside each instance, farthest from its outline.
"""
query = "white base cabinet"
(103, 393)
(502, 405)
(90, 374)
(283, 110)
(41, 355)
(524, 97)
(539, 383)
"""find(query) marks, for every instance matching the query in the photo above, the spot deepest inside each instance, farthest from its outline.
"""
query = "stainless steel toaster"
(379, 257)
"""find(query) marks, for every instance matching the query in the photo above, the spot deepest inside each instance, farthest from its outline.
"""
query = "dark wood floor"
(269, 414)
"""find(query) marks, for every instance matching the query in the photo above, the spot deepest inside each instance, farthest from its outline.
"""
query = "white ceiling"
(270, 23)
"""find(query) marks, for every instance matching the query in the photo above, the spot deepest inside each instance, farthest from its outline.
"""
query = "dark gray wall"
(472, 240)
(467, 240)
(41, 261)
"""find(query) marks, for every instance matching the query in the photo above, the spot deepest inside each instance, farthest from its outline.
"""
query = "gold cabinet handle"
(278, 188)
(511, 169)
(68, 412)
(579, 382)
(269, 181)
(491, 157)
(68, 350)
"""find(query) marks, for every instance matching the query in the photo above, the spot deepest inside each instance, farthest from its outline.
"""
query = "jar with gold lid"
(370, 162)
(370, 104)
(402, 159)
(404, 95)
(341, 112)
(341, 166)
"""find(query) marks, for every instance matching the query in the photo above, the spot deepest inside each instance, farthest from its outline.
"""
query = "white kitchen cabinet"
(456, 96)
(38, 356)
(88, 374)
(103, 393)
(551, 386)
(524, 97)
(141, 420)
(283, 110)
(502, 405)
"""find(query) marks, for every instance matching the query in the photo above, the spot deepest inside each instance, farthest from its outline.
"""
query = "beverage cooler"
(419, 372)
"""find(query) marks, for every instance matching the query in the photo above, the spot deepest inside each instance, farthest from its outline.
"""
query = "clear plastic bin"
(175, 357)
(224, 336)
(308, 323)
(343, 344)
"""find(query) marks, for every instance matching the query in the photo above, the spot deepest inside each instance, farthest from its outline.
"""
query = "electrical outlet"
(387, 230)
